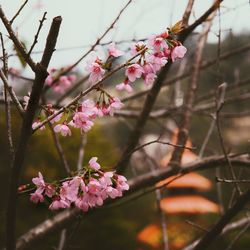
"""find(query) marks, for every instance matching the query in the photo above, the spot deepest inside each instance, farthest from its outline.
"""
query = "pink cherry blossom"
(137, 47)
(63, 129)
(157, 42)
(95, 70)
(124, 85)
(36, 197)
(39, 181)
(82, 121)
(178, 52)
(94, 164)
(157, 61)
(113, 51)
(149, 78)
(115, 104)
(82, 203)
(134, 71)
(59, 203)
(88, 107)
(59, 85)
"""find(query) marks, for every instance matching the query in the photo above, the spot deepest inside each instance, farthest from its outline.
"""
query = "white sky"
(85, 20)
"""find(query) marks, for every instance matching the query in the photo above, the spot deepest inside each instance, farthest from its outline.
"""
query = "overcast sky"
(85, 20)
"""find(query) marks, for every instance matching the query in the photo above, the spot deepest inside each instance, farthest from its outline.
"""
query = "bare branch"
(12, 93)
(16, 41)
(37, 34)
(18, 12)
(26, 130)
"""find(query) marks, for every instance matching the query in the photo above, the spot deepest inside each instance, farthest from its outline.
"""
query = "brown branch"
(59, 149)
(37, 33)
(231, 181)
(216, 230)
(187, 13)
(26, 132)
(219, 104)
(190, 95)
(7, 101)
(160, 142)
(16, 41)
(18, 12)
(12, 94)
(227, 229)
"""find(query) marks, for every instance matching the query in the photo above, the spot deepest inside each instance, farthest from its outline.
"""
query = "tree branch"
(26, 131)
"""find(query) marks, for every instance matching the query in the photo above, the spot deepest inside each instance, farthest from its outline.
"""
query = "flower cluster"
(96, 67)
(59, 84)
(156, 53)
(86, 190)
(83, 116)
(85, 113)
(149, 58)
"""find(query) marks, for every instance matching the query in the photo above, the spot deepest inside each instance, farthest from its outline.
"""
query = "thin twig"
(7, 101)
(37, 34)
(161, 142)
(16, 41)
(219, 104)
(59, 149)
(81, 151)
(187, 13)
(11, 93)
(190, 95)
(18, 12)
(231, 181)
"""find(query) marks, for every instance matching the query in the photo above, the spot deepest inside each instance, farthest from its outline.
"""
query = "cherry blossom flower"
(59, 203)
(134, 71)
(124, 85)
(149, 78)
(59, 85)
(113, 51)
(88, 107)
(157, 42)
(82, 121)
(137, 47)
(115, 104)
(157, 61)
(94, 164)
(178, 52)
(95, 70)
(36, 197)
(63, 129)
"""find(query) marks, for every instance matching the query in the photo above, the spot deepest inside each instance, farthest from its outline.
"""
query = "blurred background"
(135, 223)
